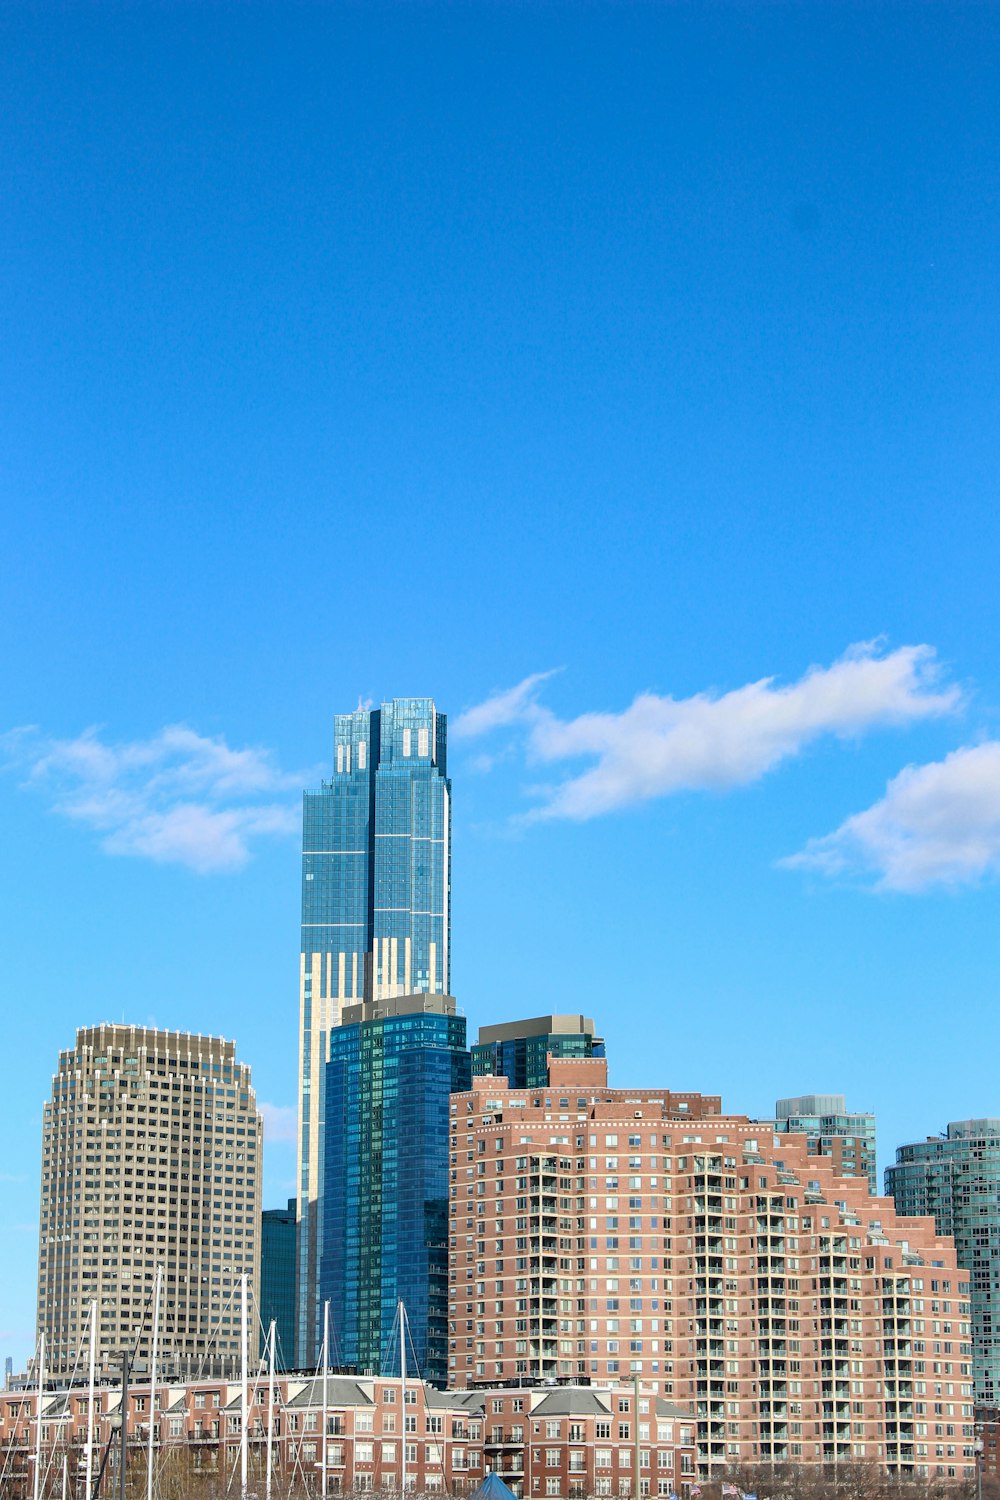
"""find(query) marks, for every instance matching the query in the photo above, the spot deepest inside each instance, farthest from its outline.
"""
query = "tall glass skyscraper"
(956, 1179)
(376, 916)
(393, 1067)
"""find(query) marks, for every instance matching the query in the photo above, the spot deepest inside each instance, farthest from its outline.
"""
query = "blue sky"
(359, 350)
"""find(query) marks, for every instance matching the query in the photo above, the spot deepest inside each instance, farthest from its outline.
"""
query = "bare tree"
(856, 1479)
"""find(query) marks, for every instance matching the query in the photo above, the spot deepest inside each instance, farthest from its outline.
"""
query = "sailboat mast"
(244, 1407)
(326, 1366)
(150, 1452)
(270, 1404)
(401, 1311)
(38, 1414)
(90, 1400)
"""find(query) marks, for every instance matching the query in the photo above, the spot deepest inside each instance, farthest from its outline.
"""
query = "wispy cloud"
(280, 1123)
(514, 705)
(938, 824)
(661, 745)
(178, 797)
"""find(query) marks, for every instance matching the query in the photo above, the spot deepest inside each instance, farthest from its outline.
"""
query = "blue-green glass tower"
(393, 1067)
(277, 1281)
(956, 1179)
(376, 917)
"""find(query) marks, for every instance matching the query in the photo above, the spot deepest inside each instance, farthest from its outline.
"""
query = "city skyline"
(345, 726)
(624, 380)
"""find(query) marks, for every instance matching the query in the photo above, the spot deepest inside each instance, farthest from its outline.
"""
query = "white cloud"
(178, 797)
(661, 745)
(512, 706)
(937, 824)
(280, 1123)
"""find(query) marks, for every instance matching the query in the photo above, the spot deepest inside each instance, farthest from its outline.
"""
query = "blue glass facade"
(277, 1281)
(956, 1179)
(376, 842)
(376, 916)
(411, 910)
(336, 859)
(385, 1231)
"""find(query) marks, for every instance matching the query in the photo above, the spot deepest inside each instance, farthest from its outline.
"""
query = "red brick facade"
(598, 1233)
(563, 1442)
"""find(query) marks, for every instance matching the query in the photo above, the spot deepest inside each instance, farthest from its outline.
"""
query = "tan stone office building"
(604, 1234)
(151, 1155)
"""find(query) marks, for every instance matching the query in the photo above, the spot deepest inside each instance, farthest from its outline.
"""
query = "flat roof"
(563, 1025)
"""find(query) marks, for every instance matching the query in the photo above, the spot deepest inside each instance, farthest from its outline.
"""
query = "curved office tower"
(151, 1156)
(376, 913)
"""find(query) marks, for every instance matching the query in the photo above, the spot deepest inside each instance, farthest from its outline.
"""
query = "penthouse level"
(562, 1442)
(601, 1234)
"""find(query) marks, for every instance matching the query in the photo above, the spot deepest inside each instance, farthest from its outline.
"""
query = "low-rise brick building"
(988, 1434)
(546, 1442)
(584, 1440)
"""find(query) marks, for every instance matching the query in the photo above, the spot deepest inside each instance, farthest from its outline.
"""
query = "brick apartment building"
(988, 1433)
(548, 1442)
(598, 1234)
(583, 1440)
